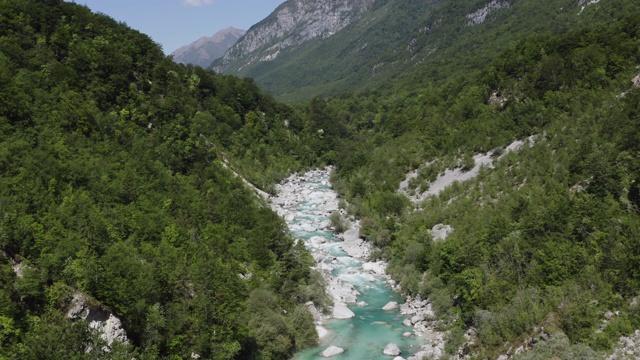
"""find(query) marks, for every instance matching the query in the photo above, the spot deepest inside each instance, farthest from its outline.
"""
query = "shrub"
(338, 222)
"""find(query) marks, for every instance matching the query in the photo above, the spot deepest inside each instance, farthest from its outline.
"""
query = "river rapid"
(358, 325)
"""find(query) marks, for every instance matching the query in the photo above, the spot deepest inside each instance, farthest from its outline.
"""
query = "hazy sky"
(173, 23)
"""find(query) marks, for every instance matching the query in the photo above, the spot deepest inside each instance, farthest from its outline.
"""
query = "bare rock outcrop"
(295, 22)
(100, 318)
(636, 81)
(480, 16)
(584, 3)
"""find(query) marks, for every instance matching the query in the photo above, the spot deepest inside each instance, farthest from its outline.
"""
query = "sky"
(174, 23)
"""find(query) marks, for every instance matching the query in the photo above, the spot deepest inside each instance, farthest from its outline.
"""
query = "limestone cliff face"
(98, 317)
(292, 23)
(478, 17)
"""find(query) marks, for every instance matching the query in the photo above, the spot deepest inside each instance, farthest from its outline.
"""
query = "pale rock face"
(98, 317)
(458, 174)
(314, 311)
(18, 269)
(110, 329)
(587, 2)
(440, 232)
(627, 347)
(480, 16)
(498, 100)
(584, 3)
(636, 81)
(293, 23)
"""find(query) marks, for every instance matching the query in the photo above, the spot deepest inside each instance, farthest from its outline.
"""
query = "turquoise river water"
(365, 335)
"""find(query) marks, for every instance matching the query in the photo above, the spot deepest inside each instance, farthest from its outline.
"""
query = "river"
(306, 201)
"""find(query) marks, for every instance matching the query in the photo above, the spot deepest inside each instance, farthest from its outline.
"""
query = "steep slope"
(205, 50)
(292, 24)
(112, 179)
(543, 246)
(393, 36)
(113, 188)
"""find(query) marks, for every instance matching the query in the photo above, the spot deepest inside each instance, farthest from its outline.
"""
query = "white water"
(306, 203)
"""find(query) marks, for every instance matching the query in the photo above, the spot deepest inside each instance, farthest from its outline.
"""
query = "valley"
(373, 319)
(439, 179)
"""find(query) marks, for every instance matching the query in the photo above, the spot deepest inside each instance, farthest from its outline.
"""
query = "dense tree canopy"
(550, 235)
(112, 183)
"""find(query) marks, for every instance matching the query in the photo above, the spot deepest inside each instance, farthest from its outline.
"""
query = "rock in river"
(341, 311)
(390, 306)
(391, 350)
(332, 351)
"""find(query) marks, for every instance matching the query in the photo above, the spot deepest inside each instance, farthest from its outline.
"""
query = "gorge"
(373, 319)
(133, 187)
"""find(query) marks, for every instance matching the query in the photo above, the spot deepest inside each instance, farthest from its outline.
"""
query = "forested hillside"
(116, 180)
(112, 184)
(548, 238)
(425, 42)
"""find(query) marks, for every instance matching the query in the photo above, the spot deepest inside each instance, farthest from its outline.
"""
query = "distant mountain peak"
(205, 50)
(293, 23)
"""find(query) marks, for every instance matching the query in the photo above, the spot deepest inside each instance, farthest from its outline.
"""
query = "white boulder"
(341, 311)
(440, 232)
(390, 306)
(391, 350)
(378, 267)
(309, 228)
(332, 351)
(322, 332)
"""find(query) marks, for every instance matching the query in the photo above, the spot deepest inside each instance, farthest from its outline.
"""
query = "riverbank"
(306, 202)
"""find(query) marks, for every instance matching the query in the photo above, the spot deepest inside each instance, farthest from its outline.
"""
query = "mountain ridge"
(205, 50)
(293, 23)
(114, 184)
(392, 36)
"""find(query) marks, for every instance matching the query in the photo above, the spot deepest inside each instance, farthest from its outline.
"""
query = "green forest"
(550, 237)
(112, 184)
(115, 183)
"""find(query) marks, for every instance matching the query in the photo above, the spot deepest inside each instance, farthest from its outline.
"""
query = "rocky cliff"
(208, 48)
(292, 23)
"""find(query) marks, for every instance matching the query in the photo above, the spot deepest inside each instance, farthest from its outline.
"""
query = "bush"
(338, 222)
(559, 347)
(467, 163)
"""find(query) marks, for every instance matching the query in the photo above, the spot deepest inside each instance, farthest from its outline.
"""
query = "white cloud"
(196, 3)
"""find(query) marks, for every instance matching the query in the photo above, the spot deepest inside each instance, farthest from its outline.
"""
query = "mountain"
(488, 149)
(292, 24)
(386, 38)
(205, 50)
